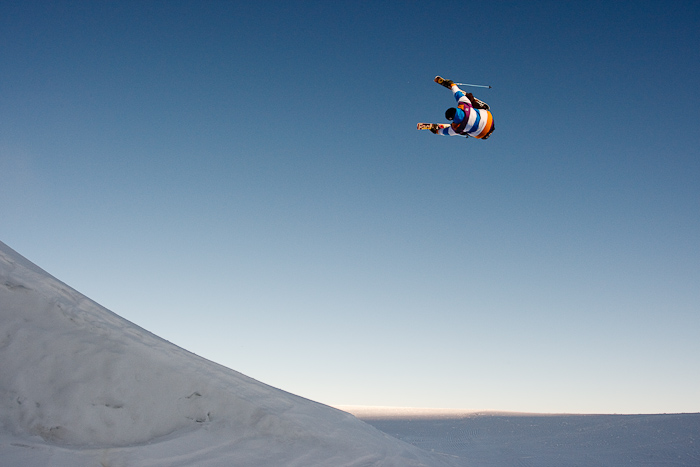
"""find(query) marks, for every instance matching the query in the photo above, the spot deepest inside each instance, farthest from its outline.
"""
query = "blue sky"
(246, 181)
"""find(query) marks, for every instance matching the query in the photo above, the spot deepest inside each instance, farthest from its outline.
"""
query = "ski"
(432, 126)
(478, 104)
(443, 82)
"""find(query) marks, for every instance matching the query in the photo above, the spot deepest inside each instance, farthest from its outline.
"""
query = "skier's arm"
(460, 96)
(443, 129)
(447, 131)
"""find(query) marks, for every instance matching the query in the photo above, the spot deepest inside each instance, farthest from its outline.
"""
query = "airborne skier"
(471, 117)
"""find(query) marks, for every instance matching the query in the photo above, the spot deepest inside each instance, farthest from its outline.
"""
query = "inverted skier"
(471, 117)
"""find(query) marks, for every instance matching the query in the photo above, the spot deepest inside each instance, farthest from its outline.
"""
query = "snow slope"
(80, 386)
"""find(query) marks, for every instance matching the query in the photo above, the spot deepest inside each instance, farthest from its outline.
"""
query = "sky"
(245, 180)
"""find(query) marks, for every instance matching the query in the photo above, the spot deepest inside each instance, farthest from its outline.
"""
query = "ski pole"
(473, 85)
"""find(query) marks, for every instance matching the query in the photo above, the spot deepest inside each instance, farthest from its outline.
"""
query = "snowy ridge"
(82, 386)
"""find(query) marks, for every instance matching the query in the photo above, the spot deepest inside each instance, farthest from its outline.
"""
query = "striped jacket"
(468, 121)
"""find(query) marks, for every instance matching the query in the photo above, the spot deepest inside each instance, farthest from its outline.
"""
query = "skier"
(471, 117)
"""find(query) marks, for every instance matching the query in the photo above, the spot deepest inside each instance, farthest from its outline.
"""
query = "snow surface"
(493, 439)
(81, 386)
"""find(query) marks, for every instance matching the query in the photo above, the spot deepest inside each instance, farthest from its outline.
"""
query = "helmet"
(450, 113)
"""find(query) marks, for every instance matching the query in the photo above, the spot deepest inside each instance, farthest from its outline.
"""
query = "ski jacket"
(468, 121)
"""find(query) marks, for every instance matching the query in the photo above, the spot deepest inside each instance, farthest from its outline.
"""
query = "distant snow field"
(498, 439)
(81, 386)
